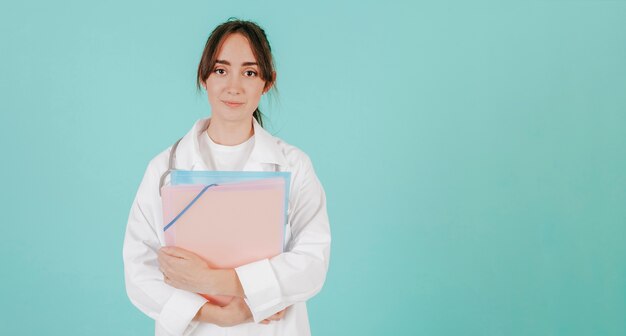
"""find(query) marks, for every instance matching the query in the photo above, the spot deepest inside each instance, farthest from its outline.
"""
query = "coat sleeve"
(172, 309)
(297, 274)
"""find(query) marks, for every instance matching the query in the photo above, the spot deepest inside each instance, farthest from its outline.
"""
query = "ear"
(270, 84)
(203, 84)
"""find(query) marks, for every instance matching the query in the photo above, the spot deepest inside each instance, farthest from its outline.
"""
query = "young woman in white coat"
(236, 69)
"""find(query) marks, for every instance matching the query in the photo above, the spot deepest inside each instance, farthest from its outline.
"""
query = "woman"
(236, 69)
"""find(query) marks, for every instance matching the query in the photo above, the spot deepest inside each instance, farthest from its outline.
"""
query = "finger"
(167, 262)
(165, 273)
(278, 315)
(265, 322)
(275, 317)
(174, 251)
(164, 262)
(171, 282)
(162, 258)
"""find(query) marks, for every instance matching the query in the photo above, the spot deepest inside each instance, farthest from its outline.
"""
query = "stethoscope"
(171, 165)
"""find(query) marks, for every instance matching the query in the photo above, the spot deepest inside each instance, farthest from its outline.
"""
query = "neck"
(230, 133)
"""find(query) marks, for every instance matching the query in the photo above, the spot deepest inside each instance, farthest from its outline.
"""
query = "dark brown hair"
(258, 43)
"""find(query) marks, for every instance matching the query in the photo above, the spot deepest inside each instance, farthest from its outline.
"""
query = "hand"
(274, 317)
(234, 313)
(184, 270)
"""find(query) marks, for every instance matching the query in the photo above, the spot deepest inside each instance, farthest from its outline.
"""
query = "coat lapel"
(265, 156)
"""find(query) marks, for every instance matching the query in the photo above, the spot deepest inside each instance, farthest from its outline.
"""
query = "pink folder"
(228, 225)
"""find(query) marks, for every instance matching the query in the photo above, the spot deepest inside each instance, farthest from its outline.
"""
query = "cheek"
(213, 92)
(255, 90)
(214, 84)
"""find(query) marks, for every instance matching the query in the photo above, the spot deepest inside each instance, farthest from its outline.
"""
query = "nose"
(234, 85)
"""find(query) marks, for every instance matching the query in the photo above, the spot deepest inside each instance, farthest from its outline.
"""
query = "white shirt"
(228, 158)
(270, 285)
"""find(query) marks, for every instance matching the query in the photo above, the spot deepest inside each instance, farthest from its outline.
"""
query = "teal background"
(473, 155)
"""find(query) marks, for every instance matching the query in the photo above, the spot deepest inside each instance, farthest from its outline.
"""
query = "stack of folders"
(227, 218)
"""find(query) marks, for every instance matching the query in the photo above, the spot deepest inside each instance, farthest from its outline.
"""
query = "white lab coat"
(270, 285)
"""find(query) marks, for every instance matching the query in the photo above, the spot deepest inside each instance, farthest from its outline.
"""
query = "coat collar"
(266, 148)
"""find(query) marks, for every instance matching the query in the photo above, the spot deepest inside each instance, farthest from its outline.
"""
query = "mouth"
(232, 103)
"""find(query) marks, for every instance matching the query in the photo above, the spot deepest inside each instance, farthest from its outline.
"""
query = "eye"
(219, 71)
(250, 73)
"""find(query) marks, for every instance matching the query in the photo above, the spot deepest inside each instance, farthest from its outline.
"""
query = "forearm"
(209, 313)
(225, 282)
(234, 313)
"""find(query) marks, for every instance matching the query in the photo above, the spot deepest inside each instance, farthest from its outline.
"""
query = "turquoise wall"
(473, 154)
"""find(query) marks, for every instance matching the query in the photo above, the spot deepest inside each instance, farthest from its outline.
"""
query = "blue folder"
(207, 177)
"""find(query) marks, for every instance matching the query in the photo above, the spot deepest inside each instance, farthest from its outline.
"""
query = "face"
(234, 86)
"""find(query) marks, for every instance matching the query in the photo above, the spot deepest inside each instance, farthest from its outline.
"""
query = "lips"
(232, 103)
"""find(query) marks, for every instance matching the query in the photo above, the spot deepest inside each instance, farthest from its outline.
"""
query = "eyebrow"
(242, 64)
